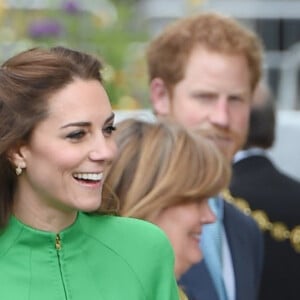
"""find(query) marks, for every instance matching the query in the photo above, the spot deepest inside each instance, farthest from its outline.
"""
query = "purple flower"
(45, 28)
(71, 7)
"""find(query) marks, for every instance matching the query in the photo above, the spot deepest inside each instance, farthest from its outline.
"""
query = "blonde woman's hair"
(160, 165)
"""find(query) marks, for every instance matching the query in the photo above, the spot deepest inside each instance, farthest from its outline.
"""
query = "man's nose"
(220, 113)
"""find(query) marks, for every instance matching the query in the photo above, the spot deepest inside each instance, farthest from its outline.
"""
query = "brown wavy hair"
(27, 81)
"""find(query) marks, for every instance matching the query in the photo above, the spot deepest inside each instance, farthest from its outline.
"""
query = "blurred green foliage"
(108, 30)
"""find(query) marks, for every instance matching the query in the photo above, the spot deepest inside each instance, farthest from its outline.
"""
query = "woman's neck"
(43, 218)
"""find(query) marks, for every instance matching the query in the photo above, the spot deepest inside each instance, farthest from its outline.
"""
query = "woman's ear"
(160, 97)
(16, 157)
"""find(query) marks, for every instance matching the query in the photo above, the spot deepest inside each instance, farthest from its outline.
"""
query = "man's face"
(214, 96)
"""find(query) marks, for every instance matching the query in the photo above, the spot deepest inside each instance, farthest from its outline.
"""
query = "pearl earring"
(18, 170)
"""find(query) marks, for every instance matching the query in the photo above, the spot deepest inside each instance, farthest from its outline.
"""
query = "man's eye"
(236, 99)
(204, 97)
(108, 130)
(76, 135)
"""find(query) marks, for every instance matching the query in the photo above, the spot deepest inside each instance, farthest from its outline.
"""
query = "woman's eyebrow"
(85, 123)
(110, 118)
(76, 124)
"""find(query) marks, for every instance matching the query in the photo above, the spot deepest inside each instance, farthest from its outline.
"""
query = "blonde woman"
(165, 174)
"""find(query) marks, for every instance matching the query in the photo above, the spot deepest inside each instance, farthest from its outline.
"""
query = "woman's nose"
(208, 215)
(104, 149)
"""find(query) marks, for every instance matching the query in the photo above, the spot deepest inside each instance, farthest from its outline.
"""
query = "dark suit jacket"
(246, 247)
(264, 187)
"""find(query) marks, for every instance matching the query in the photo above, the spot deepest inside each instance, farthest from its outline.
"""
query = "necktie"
(211, 244)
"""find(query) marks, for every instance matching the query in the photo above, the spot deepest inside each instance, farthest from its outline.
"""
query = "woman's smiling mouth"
(88, 177)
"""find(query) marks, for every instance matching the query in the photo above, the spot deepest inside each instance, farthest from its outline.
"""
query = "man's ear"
(160, 97)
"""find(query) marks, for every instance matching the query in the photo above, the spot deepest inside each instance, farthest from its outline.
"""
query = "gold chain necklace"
(278, 230)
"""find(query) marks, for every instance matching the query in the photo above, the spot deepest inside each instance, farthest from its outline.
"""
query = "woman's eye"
(108, 130)
(76, 135)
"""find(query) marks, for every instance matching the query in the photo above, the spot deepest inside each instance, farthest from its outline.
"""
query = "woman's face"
(69, 151)
(183, 225)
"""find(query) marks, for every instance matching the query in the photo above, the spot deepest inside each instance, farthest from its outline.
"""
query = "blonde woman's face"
(183, 225)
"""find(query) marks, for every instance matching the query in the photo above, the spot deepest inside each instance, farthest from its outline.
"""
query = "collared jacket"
(245, 242)
(97, 257)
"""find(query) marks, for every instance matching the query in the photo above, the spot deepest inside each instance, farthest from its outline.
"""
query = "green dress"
(98, 257)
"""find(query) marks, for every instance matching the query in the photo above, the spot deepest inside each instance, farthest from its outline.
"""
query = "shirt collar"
(217, 206)
(249, 152)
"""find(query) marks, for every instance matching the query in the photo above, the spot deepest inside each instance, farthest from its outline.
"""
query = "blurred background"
(118, 31)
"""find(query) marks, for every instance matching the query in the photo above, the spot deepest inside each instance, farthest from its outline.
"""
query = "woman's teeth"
(88, 176)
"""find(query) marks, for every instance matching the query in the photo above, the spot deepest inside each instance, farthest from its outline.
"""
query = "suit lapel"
(198, 283)
(238, 249)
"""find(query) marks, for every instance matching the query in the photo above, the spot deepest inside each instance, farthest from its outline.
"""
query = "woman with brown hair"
(56, 143)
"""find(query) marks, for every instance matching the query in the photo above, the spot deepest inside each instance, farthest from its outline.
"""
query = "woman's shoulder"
(122, 229)
(141, 246)
(110, 222)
